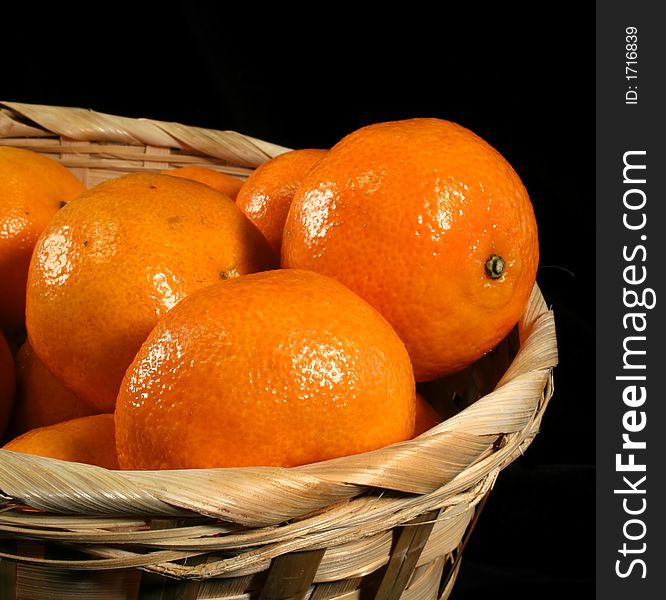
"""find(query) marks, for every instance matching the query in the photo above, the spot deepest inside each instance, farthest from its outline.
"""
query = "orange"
(116, 259)
(426, 416)
(429, 224)
(32, 189)
(40, 398)
(227, 184)
(267, 194)
(89, 440)
(278, 368)
(7, 383)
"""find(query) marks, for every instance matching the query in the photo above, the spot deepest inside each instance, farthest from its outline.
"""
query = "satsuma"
(40, 398)
(89, 440)
(279, 368)
(267, 194)
(428, 223)
(33, 187)
(227, 184)
(117, 258)
(7, 383)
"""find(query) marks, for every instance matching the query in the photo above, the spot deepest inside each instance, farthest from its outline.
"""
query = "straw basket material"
(385, 524)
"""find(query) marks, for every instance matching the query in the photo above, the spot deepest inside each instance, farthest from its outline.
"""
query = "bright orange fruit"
(89, 440)
(267, 194)
(227, 184)
(40, 398)
(428, 223)
(426, 416)
(7, 383)
(116, 259)
(32, 189)
(278, 368)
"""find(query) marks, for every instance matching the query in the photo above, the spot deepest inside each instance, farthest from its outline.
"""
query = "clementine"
(7, 383)
(32, 189)
(267, 194)
(278, 368)
(89, 440)
(40, 398)
(426, 416)
(117, 258)
(227, 184)
(428, 223)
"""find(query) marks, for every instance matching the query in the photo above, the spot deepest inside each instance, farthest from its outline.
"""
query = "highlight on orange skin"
(119, 257)
(267, 194)
(278, 368)
(33, 188)
(408, 214)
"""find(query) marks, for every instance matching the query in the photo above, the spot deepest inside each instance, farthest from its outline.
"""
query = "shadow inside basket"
(450, 394)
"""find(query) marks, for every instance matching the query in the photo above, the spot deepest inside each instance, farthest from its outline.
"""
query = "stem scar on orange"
(428, 223)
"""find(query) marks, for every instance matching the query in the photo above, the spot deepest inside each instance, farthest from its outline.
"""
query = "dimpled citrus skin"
(116, 259)
(89, 440)
(267, 194)
(407, 214)
(279, 368)
(227, 184)
(32, 189)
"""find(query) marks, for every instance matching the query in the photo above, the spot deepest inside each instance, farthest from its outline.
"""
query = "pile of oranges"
(190, 319)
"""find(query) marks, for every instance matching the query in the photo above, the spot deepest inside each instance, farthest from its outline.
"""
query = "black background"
(522, 80)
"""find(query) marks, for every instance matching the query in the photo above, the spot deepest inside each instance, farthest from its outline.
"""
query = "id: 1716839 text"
(631, 65)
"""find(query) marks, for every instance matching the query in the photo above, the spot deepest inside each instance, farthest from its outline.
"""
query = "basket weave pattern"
(385, 524)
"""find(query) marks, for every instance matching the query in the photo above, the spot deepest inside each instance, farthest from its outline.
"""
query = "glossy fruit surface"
(279, 368)
(33, 187)
(267, 194)
(116, 259)
(429, 224)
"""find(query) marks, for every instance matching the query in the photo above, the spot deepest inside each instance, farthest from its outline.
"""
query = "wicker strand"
(82, 124)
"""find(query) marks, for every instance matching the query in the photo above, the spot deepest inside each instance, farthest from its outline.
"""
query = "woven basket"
(385, 524)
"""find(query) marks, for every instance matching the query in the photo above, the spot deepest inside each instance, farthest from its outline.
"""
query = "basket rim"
(458, 455)
(151, 520)
(495, 429)
(28, 122)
